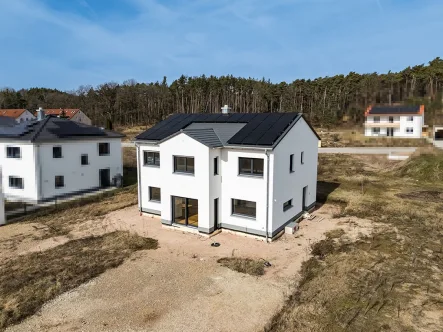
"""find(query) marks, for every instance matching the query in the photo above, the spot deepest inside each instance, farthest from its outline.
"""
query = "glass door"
(179, 210)
(185, 211)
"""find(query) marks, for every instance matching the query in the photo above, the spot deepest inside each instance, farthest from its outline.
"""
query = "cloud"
(63, 46)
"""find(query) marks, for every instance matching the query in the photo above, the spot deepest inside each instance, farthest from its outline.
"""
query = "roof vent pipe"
(226, 109)
(40, 114)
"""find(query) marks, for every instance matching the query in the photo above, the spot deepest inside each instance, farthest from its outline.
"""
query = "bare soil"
(180, 286)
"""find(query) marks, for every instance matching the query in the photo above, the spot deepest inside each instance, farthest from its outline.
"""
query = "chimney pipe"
(226, 109)
(40, 114)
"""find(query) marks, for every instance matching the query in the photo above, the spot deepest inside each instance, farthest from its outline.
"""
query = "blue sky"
(66, 43)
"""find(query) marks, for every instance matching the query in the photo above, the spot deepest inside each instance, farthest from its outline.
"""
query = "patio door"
(390, 131)
(185, 211)
(304, 198)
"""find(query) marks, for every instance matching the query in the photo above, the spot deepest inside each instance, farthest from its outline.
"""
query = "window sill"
(251, 175)
(288, 208)
(154, 201)
(59, 187)
(154, 166)
(184, 173)
(104, 155)
(243, 216)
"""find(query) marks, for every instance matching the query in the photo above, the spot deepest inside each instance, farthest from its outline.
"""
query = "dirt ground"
(180, 286)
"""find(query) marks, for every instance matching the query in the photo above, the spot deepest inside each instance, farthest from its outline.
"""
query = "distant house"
(395, 121)
(50, 158)
(19, 115)
(73, 114)
(252, 173)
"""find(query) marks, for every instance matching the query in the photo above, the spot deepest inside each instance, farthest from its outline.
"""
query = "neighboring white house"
(73, 114)
(51, 158)
(395, 121)
(252, 173)
(19, 115)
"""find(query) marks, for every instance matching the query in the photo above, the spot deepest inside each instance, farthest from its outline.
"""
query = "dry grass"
(244, 265)
(60, 219)
(425, 165)
(391, 280)
(131, 131)
(129, 166)
(27, 282)
(356, 138)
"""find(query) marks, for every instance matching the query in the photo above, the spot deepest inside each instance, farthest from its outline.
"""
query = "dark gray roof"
(259, 129)
(53, 129)
(397, 109)
(206, 136)
(224, 131)
(7, 121)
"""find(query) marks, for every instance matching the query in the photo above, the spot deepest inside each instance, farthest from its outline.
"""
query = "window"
(184, 165)
(302, 157)
(103, 149)
(243, 208)
(376, 130)
(376, 119)
(250, 166)
(216, 166)
(391, 119)
(410, 130)
(151, 158)
(287, 205)
(154, 194)
(410, 118)
(16, 182)
(13, 152)
(59, 181)
(84, 159)
(291, 163)
(56, 152)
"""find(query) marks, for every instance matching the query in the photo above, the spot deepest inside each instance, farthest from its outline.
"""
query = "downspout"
(39, 173)
(139, 184)
(267, 194)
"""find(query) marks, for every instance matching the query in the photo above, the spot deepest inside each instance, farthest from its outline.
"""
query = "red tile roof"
(69, 112)
(12, 113)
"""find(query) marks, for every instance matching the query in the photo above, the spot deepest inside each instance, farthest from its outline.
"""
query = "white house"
(19, 115)
(252, 173)
(395, 121)
(51, 158)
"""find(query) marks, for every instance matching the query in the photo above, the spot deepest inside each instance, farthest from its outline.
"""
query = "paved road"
(363, 150)
(367, 150)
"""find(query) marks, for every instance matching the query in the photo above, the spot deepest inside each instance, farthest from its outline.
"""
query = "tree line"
(325, 101)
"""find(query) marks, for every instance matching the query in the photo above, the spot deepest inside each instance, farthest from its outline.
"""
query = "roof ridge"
(37, 132)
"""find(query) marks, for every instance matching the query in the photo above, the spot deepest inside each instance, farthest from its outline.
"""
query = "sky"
(63, 44)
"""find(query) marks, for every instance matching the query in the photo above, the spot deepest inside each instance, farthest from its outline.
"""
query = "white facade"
(404, 126)
(268, 191)
(38, 168)
(25, 116)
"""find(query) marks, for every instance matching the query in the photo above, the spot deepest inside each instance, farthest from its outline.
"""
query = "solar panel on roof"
(234, 117)
(276, 130)
(246, 131)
